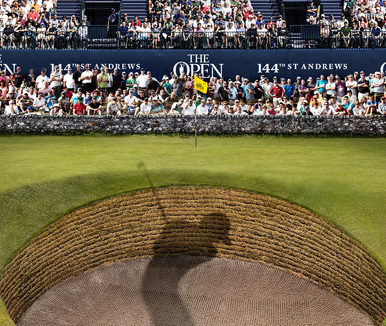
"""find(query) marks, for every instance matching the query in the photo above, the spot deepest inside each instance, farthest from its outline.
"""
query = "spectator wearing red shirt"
(137, 21)
(277, 93)
(79, 108)
(271, 23)
(33, 14)
(248, 13)
(68, 93)
(271, 110)
(204, 9)
(340, 110)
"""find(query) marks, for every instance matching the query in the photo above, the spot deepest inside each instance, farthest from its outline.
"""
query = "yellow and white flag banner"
(200, 85)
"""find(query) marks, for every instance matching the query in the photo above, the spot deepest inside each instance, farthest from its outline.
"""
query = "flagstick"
(203, 88)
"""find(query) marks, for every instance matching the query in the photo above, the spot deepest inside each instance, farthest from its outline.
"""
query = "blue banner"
(221, 63)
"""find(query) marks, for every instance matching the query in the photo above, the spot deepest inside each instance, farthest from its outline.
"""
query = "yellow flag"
(200, 85)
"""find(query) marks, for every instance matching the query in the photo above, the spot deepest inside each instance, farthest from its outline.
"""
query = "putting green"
(44, 177)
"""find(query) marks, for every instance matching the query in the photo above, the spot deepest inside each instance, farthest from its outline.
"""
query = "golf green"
(44, 177)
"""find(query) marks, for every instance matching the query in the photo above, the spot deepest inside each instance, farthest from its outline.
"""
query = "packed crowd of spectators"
(93, 92)
(35, 24)
(361, 25)
(203, 24)
(190, 24)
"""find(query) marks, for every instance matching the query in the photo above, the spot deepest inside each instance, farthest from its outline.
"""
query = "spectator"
(363, 86)
(76, 96)
(50, 36)
(71, 35)
(116, 81)
(345, 35)
(46, 88)
(56, 81)
(348, 105)
(79, 108)
(289, 89)
(114, 107)
(382, 106)
(177, 107)
(224, 92)
(61, 35)
(321, 85)
(189, 108)
(377, 86)
(63, 104)
(283, 35)
(74, 21)
(177, 88)
(266, 86)
(39, 103)
(33, 14)
(376, 36)
(157, 107)
(340, 88)
(112, 23)
(17, 78)
(311, 9)
(68, 80)
(83, 34)
(276, 93)
(330, 88)
(24, 102)
(144, 108)
(88, 98)
(85, 78)
(351, 85)
(41, 79)
(131, 102)
(142, 81)
(8, 38)
(371, 105)
(42, 20)
(11, 109)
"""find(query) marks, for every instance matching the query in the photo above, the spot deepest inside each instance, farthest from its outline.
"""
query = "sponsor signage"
(209, 63)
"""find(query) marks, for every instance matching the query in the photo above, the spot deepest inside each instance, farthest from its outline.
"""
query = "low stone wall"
(231, 125)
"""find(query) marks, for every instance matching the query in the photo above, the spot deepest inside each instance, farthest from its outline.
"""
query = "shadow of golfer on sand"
(160, 286)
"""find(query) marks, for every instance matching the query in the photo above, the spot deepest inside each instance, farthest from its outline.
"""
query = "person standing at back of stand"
(112, 23)
(76, 76)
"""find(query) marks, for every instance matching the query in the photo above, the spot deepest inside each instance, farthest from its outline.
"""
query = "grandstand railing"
(102, 37)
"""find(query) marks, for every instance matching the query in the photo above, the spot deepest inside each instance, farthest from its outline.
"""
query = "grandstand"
(134, 8)
(332, 7)
(140, 7)
(267, 8)
(69, 7)
(298, 33)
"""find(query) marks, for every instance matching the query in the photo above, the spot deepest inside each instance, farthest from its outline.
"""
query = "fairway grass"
(44, 177)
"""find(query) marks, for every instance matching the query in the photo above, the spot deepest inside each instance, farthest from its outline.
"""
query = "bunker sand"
(213, 291)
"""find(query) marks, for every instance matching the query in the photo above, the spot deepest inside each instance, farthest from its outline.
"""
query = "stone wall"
(229, 125)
